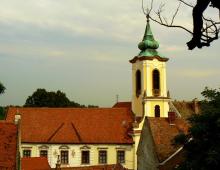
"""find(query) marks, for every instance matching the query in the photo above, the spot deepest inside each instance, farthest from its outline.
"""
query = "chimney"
(172, 118)
(17, 117)
(195, 106)
(17, 122)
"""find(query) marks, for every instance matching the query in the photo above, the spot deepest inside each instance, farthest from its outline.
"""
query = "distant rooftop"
(35, 163)
(187, 108)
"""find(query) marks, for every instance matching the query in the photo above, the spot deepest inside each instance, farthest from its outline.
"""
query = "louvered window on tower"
(138, 83)
(156, 83)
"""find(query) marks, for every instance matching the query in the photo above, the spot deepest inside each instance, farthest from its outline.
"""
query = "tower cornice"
(142, 58)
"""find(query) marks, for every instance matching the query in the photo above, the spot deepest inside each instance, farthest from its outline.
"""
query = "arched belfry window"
(157, 111)
(156, 82)
(138, 83)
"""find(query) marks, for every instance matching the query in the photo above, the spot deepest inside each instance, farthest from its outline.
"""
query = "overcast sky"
(82, 48)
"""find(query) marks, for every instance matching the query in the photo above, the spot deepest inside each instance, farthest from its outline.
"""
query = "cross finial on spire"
(148, 15)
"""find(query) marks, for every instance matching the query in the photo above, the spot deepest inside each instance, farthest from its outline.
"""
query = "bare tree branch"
(187, 4)
(175, 14)
(172, 26)
(148, 10)
(163, 21)
(209, 31)
(142, 6)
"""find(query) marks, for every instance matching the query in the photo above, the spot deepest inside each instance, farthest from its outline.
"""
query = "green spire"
(148, 45)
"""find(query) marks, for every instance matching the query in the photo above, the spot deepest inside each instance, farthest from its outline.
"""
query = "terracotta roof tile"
(74, 125)
(163, 133)
(123, 104)
(174, 161)
(35, 163)
(186, 108)
(8, 145)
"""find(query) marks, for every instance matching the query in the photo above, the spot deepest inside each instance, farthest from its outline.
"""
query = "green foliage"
(92, 106)
(2, 88)
(180, 139)
(2, 113)
(42, 98)
(202, 143)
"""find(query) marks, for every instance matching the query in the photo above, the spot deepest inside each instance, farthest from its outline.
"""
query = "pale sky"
(83, 48)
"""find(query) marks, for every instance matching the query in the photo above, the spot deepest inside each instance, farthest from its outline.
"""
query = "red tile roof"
(122, 104)
(187, 108)
(74, 125)
(97, 167)
(8, 145)
(174, 161)
(163, 133)
(35, 163)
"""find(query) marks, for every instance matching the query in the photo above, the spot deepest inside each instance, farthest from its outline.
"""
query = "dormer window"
(156, 82)
(138, 83)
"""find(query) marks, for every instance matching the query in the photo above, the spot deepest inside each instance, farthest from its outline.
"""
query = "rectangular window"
(120, 156)
(85, 157)
(102, 157)
(43, 153)
(64, 157)
(27, 153)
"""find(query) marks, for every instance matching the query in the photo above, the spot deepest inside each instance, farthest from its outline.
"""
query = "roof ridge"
(77, 133)
(53, 134)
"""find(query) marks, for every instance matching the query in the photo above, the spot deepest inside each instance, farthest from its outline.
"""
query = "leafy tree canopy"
(202, 143)
(43, 98)
(2, 113)
(2, 88)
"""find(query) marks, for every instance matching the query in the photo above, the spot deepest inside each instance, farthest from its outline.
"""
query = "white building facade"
(71, 155)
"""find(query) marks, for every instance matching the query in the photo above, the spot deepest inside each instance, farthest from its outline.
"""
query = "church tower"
(149, 89)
